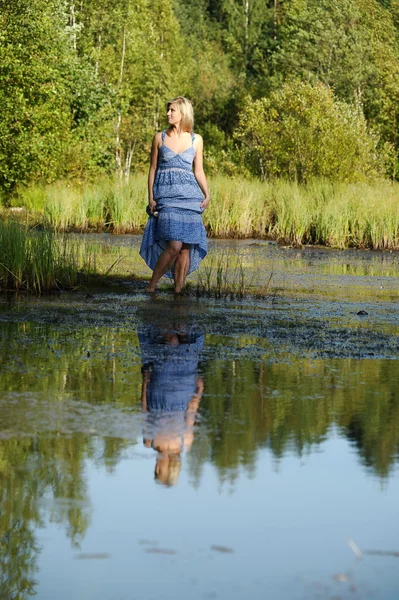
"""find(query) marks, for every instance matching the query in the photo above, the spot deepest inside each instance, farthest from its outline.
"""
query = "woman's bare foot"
(149, 289)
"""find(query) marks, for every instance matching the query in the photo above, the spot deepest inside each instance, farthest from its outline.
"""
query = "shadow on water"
(70, 397)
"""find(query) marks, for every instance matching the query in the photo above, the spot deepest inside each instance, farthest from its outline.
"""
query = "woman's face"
(174, 114)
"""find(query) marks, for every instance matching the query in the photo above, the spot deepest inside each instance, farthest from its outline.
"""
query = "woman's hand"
(204, 203)
(153, 206)
(199, 170)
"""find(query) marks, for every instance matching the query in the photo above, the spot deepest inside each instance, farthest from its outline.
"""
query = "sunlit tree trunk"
(73, 25)
(99, 44)
(123, 56)
(246, 38)
(128, 160)
(118, 148)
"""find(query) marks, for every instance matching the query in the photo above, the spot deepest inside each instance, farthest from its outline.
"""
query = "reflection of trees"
(18, 547)
(247, 405)
(369, 417)
(34, 474)
(290, 407)
(43, 479)
(95, 363)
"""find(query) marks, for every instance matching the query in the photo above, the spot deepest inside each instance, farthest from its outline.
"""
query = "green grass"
(325, 213)
(224, 275)
(40, 261)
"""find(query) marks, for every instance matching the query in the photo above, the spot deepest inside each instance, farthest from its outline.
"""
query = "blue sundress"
(178, 198)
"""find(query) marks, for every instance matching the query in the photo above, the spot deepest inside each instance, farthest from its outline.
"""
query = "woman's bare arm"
(153, 168)
(199, 170)
(191, 412)
(144, 383)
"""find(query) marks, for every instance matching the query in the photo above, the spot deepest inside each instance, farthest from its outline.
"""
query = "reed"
(127, 205)
(224, 275)
(321, 212)
(40, 261)
(108, 203)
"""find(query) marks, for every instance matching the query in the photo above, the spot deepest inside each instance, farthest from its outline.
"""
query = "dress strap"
(192, 137)
(163, 135)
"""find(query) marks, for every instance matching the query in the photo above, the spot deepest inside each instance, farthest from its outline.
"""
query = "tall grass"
(39, 261)
(322, 212)
(325, 213)
(91, 206)
(225, 274)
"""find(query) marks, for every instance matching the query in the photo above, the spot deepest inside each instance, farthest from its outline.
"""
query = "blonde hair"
(186, 111)
(170, 475)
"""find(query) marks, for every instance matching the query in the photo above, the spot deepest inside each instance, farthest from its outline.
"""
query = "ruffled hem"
(177, 225)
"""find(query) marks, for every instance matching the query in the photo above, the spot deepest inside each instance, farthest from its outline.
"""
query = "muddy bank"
(275, 327)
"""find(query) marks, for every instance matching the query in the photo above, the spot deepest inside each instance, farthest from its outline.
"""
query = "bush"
(301, 131)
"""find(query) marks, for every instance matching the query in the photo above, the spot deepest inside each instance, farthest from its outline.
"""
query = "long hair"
(186, 111)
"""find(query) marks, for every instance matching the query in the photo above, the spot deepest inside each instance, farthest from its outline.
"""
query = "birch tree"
(35, 119)
(350, 45)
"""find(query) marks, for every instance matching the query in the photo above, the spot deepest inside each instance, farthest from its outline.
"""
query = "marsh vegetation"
(339, 215)
(40, 261)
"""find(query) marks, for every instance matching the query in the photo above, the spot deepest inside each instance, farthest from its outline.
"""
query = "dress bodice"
(174, 179)
(168, 158)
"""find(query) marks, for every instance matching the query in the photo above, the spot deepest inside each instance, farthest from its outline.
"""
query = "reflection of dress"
(178, 197)
(173, 379)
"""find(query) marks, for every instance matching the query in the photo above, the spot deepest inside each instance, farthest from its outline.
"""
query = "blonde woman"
(174, 241)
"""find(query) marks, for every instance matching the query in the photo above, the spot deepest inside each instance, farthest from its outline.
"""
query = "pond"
(207, 448)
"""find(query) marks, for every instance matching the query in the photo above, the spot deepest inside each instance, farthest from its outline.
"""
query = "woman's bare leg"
(182, 266)
(164, 263)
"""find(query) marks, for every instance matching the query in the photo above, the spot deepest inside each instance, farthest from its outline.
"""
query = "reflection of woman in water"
(171, 393)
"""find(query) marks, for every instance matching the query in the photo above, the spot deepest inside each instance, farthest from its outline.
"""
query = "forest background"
(293, 90)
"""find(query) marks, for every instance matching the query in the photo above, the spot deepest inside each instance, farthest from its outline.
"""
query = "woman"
(174, 240)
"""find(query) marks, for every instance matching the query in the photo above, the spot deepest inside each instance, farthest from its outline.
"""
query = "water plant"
(38, 261)
(321, 212)
(225, 275)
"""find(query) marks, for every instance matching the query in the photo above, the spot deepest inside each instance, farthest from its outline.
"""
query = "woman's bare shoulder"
(198, 141)
(157, 140)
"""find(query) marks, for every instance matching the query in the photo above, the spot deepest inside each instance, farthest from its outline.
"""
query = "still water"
(166, 452)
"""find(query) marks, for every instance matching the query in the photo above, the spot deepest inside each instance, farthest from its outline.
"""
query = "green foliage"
(83, 86)
(302, 131)
(140, 55)
(350, 45)
(37, 261)
(34, 112)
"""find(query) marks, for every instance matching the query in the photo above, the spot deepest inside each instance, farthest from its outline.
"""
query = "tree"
(139, 53)
(349, 45)
(35, 117)
(302, 131)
